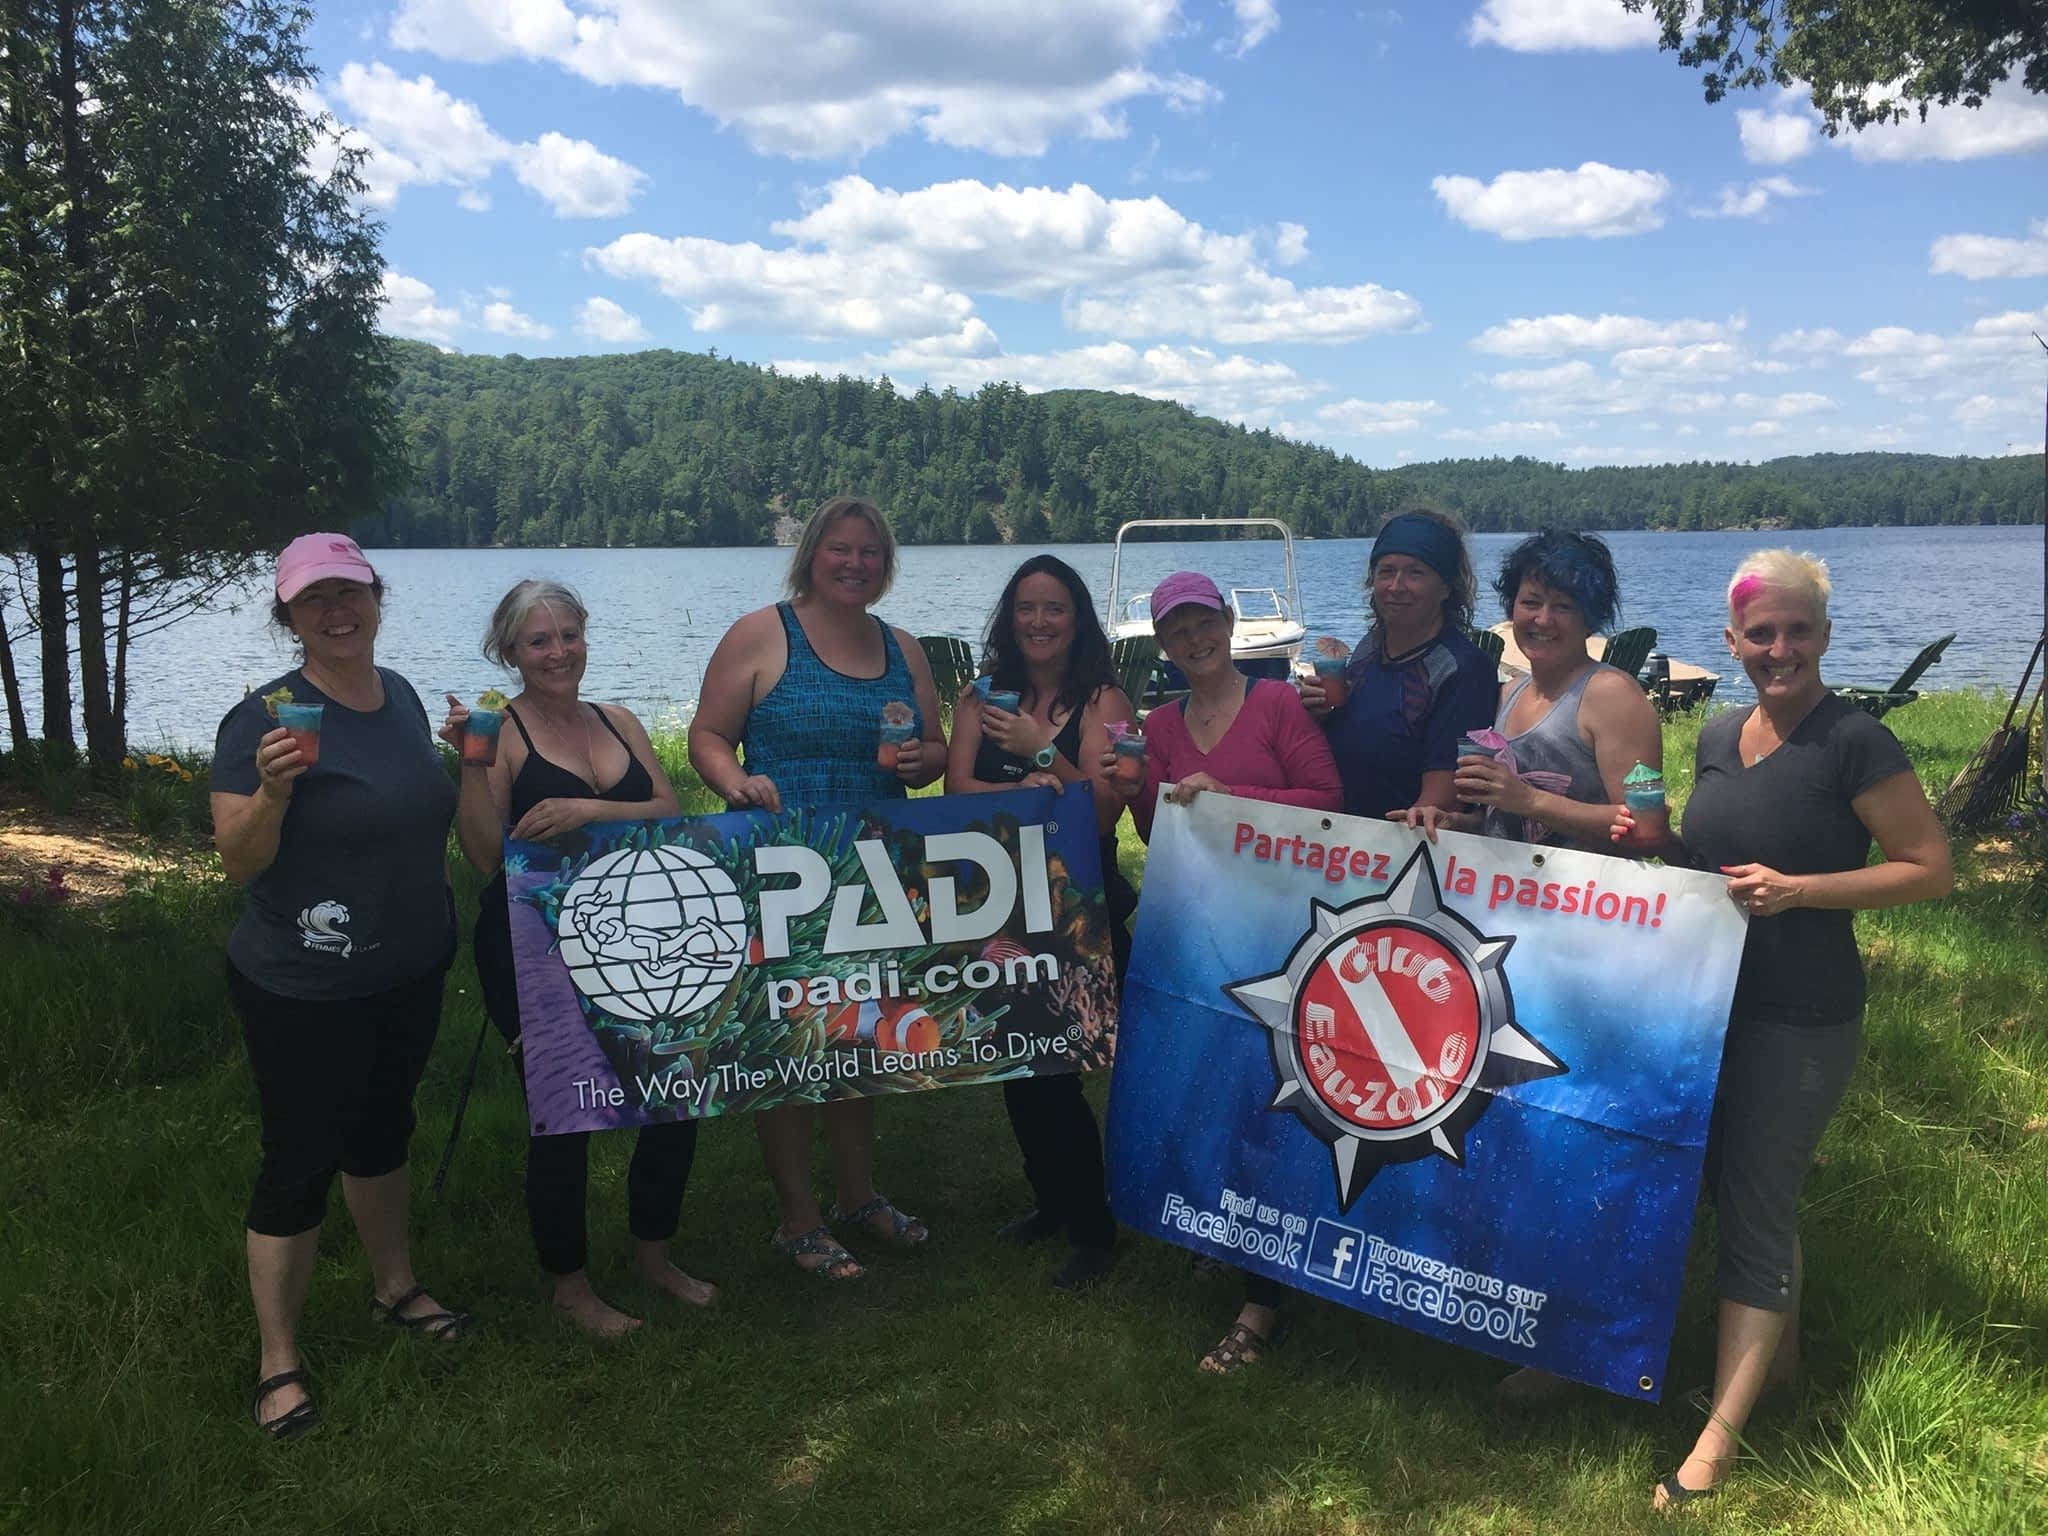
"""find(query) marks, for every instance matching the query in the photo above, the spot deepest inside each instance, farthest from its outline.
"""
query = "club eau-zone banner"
(721, 964)
(1462, 1086)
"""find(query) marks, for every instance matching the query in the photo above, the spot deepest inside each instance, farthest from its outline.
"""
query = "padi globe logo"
(652, 933)
(1391, 1025)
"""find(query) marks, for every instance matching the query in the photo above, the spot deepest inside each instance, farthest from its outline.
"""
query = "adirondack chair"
(1134, 659)
(1879, 702)
(952, 662)
(1630, 649)
(1488, 642)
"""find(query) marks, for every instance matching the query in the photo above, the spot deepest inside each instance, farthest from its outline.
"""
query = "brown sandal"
(1243, 1345)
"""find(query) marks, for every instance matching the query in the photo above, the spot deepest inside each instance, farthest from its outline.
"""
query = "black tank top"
(995, 766)
(538, 779)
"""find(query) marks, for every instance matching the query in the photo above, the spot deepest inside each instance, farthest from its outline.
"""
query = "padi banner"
(1462, 1086)
(724, 964)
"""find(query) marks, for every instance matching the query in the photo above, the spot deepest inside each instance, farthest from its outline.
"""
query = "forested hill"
(673, 448)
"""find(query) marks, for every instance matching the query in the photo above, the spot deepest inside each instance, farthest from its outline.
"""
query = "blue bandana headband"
(1422, 538)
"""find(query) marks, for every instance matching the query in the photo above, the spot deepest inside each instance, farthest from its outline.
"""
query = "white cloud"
(1552, 26)
(1376, 418)
(417, 134)
(806, 293)
(1992, 256)
(1750, 202)
(1594, 201)
(1555, 335)
(501, 319)
(1757, 429)
(1779, 134)
(579, 180)
(1980, 411)
(1003, 78)
(1129, 267)
(1811, 344)
(1234, 387)
(1257, 20)
(1897, 360)
(2002, 126)
(1696, 360)
(1800, 403)
(408, 308)
(1508, 432)
(602, 320)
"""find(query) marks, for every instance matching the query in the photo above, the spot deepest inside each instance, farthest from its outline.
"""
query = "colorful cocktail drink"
(1005, 699)
(1643, 789)
(303, 721)
(1473, 746)
(899, 724)
(1330, 660)
(1129, 748)
(480, 736)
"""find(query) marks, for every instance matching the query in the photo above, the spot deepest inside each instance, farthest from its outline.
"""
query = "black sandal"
(435, 1325)
(1244, 1345)
(294, 1421)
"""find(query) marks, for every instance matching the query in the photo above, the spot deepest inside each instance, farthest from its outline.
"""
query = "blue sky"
(1488, 226)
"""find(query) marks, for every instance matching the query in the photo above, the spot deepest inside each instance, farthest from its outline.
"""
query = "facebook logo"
(1336, 1253)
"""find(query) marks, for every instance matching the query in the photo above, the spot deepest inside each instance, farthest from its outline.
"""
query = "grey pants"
(1780, 1084)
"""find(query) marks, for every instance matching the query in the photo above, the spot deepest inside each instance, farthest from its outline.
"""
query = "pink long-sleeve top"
(1272, 751)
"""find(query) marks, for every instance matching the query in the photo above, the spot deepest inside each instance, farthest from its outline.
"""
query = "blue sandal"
(818, 1243)
(905, 1231)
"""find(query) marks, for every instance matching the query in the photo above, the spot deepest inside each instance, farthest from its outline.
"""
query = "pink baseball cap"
(315, 557)
(1184, 587)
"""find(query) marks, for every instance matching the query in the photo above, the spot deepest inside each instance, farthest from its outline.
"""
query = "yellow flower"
(185, 775)
(128, 763)
(154, 759)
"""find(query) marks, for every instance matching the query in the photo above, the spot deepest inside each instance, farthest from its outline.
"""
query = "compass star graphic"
(1391, 1025)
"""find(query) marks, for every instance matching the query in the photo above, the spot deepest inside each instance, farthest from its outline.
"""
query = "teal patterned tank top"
(816, 732)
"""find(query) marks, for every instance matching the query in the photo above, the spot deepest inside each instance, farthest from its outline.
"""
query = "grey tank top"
(1552, 745)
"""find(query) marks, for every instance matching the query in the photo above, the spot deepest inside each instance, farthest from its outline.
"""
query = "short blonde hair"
(1781, 570)
(799, 579)
(501, 640)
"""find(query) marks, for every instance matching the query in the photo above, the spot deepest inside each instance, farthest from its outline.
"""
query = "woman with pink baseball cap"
(1237, 736)
(332, 809)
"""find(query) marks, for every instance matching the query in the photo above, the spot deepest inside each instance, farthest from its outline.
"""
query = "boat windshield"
(1258, 604)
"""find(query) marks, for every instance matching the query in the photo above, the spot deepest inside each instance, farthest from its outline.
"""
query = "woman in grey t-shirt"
(334, 814)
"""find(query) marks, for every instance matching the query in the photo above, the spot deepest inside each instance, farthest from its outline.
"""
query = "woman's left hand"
(910, 758)
(1185, 791)
(1482, 781)
(1760, 890)
(1040, 778)
(1019, 734)
(551, 818)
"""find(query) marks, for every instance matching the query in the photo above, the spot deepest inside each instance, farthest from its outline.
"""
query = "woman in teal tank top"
(803, 687)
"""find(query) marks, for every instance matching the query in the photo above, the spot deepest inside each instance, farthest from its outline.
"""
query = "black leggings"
(558, 1167)
(334, 1088)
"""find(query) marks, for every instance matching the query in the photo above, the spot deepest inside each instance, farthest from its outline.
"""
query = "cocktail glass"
(1005, 699)
(303, 721)
(1130, 760)
(480, 736)
(898, 725)
(1330, 677)
(1468, 747)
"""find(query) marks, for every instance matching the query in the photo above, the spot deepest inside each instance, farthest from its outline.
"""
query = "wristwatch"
(1045, 756)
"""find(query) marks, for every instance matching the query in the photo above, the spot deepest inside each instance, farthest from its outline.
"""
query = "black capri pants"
(558, 1167)
(1780, 1085)
(334, 1089)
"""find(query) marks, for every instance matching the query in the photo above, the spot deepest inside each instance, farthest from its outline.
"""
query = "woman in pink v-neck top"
(1271, 751)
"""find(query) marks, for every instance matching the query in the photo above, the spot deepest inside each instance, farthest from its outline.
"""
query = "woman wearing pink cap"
(1238, 736)
(330, 805)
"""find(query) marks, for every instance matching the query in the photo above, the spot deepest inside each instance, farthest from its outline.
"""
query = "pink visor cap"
(1184, 587)
(315, 557)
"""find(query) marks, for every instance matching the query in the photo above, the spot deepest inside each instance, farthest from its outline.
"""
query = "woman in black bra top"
(546, 782)
(1045, 642)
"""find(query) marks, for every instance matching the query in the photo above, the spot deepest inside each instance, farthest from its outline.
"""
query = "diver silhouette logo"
(320, 928)
(652, 933)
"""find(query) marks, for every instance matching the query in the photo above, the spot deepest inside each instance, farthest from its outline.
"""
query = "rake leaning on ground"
(1989, 785)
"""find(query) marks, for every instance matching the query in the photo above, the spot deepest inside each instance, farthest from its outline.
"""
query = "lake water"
(656, 614)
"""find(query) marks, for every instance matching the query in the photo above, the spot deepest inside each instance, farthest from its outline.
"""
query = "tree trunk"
(17, 716)
(122, 617)
(54, 626)
(103, 741)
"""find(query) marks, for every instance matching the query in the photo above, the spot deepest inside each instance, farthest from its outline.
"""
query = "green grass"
(948, 1390)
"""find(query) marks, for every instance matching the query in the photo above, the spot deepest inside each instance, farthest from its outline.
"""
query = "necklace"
(562, 730)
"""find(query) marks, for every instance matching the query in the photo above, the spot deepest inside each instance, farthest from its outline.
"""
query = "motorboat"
(1268, 633)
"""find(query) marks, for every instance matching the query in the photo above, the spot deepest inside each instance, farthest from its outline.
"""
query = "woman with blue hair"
(1565, 736)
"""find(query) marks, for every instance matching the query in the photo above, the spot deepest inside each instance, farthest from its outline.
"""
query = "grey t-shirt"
(357, 900)
(1792, 812)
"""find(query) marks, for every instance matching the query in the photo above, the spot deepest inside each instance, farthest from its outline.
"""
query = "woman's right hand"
(1313, 699)
(452, 728)
(756, 790)
(1425, 818)
(278, 762)
(1106, 773)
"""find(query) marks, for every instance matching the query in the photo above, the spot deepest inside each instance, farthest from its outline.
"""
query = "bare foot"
(577, 1301)
(662, 1276)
